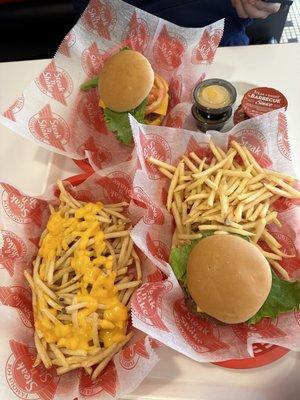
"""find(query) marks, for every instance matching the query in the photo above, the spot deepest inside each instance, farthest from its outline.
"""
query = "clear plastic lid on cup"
(214, 96)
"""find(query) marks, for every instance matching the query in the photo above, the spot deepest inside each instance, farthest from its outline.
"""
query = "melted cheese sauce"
(214, 96)
(96, 283)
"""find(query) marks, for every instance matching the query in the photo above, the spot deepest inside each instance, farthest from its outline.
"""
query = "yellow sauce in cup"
(214, 96)
(213, 101)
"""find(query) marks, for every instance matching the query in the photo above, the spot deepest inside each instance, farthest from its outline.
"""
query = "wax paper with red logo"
(159, 307)
(52, 110)
(22, 220)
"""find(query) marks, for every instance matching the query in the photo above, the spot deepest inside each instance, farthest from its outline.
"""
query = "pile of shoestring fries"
(231, 194)
(83, 277)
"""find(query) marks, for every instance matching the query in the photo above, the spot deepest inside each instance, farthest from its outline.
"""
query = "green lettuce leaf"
(139, 112)
(119, 122)
(179, 259)
(90, 84)
(180, 255)
(283, 297)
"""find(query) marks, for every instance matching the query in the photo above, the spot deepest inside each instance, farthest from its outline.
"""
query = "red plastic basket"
(84, 165)
(264, 353)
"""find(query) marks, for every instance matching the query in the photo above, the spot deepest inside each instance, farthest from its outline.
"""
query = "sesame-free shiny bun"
(228, 278)
(125, 81)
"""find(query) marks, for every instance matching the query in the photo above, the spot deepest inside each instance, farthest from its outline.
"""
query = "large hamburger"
(226, 278)
(225, 253)
(128, 85)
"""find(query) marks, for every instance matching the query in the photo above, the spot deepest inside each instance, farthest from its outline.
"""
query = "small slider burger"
(128, 85)
(228, 278)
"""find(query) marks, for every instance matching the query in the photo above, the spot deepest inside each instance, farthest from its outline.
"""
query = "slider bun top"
(125, 81)
(228, 278)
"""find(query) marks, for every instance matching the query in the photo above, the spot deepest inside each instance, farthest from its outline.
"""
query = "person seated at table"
(196, 13)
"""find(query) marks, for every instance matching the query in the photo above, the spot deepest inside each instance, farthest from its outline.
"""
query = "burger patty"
(192, 307)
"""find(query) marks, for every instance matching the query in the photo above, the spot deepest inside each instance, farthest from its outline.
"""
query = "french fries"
(88, 239)
(227, 197)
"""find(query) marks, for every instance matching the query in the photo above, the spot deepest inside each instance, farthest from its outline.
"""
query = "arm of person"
(255, 8)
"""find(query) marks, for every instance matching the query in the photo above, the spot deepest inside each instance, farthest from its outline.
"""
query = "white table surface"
(24, 164)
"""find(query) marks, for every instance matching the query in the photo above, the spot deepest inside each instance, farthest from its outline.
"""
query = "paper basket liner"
(53, 112)
(23, 218)
(158, 307)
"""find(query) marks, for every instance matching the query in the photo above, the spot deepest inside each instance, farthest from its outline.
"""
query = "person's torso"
(197, 13)
(192, 13)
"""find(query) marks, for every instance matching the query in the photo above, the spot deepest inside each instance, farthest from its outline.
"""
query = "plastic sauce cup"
(261, 100)
(213, 101)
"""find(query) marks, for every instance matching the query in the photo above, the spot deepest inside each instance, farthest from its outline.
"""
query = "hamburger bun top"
(125, 81)
(228, 278)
